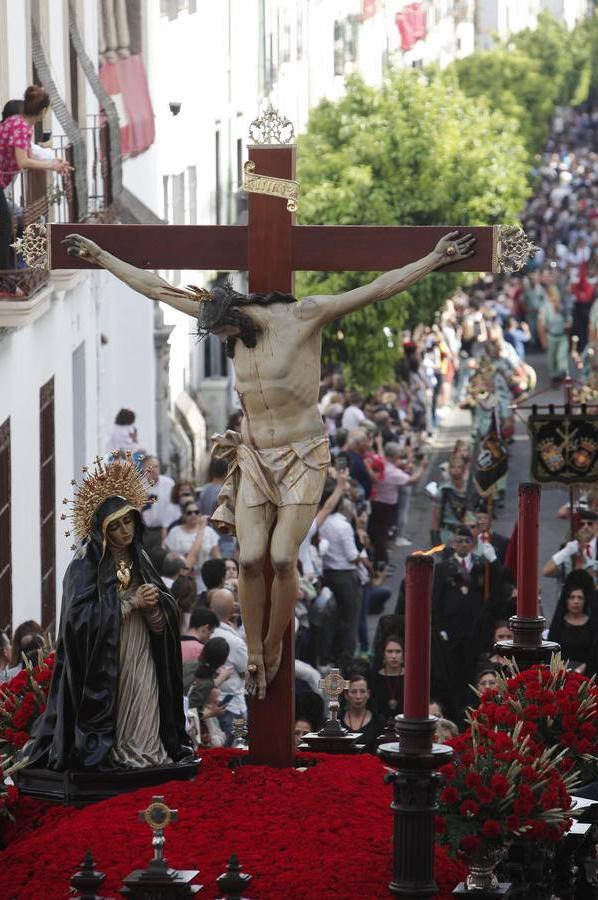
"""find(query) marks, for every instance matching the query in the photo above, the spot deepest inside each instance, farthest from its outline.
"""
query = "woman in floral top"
(15, 154)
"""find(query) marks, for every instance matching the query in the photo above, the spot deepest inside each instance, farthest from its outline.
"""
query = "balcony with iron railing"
(40, 196)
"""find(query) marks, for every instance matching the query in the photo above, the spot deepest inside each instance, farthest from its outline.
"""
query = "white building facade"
(75, 346)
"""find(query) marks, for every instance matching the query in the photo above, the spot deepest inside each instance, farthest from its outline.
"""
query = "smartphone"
(341, 462)
(224, 701)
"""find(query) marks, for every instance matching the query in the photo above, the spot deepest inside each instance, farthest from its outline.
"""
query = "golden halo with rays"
(119, 478)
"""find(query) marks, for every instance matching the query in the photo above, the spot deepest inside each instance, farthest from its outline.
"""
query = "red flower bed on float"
(325, 832)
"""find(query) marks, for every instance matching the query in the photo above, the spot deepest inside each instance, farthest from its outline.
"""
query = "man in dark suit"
(483, 531)
(458, 602)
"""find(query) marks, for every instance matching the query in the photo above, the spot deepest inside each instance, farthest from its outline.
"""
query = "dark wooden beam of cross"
(271, 247)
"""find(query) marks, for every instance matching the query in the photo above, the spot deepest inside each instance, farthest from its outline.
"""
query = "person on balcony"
(15, 155)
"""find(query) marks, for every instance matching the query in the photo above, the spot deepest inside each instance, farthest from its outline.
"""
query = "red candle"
(418, 629)
(527, 551)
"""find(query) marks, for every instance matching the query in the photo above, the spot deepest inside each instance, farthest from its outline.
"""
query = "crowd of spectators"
(475, 355)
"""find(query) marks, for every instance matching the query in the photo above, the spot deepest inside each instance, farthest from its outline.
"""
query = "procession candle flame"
(437, 549)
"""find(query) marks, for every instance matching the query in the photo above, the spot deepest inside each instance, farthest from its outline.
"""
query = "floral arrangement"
(319, 833)
(22, 701)
(557, 708)
(498, 788)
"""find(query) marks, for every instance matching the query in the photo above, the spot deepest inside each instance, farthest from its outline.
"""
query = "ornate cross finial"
(513, 248)
(271, 128)
(33, 246)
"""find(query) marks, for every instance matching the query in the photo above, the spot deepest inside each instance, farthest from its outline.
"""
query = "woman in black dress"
(573, 625)
(357, 717)
(388, 682)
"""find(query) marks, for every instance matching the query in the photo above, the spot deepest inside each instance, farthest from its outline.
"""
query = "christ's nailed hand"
(453, 247)
(76, 245)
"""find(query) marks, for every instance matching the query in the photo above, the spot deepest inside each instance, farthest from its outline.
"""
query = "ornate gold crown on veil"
(120, 478)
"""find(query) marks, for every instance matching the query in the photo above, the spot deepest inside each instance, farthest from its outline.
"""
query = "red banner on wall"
(126, 82)
(412, 25)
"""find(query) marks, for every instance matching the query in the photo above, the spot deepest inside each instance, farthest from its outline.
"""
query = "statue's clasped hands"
(147, 596)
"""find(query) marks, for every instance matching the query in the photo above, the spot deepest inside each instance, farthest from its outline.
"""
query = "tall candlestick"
(527, 551)
(418, 628)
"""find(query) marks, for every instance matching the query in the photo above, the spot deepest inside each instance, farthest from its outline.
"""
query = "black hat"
(587, 515)
(462, 531)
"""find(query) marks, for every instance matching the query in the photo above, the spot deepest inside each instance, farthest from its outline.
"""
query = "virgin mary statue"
(116, 697)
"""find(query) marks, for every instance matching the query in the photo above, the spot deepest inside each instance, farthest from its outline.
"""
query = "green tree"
(414, 152)
(586, 49)
(527, 77)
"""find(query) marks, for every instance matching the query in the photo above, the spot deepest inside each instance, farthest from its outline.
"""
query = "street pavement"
(553, 531)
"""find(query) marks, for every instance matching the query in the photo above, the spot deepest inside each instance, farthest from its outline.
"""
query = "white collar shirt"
(341, 553)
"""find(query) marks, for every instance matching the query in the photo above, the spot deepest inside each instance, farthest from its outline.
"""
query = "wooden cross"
(271, 248)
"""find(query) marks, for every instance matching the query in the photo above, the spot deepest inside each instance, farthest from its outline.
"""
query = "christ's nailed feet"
(255, 677)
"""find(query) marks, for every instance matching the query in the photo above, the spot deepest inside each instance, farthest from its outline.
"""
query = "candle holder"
(527, 647)
(415, 784)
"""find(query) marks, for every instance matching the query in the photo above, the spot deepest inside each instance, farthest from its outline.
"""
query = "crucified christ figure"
(278, 463)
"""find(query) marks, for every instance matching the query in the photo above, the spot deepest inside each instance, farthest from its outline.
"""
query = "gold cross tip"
(334, 683)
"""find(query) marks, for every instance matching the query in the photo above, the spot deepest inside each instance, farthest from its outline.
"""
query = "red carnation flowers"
(500, 788)
(22, 701)
(557, 708)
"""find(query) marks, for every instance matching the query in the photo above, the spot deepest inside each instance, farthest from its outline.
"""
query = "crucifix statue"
(279, 461)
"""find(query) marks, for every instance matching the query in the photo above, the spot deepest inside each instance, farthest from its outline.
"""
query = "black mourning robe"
(77, 729)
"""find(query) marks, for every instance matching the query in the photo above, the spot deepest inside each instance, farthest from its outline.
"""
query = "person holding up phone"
(205, 696)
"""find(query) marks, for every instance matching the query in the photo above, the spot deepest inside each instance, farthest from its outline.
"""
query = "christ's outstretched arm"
(147, 283)
(324, 309)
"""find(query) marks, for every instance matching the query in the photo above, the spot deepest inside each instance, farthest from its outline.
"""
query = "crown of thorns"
(217, 307)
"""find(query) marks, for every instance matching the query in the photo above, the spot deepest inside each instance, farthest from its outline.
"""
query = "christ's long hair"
(225, 307)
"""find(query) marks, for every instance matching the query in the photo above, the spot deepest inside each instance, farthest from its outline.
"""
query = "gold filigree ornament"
(33, 246)
(120, 478)
(124, 573)
(271, 128)
(273, 187)
(512, 248)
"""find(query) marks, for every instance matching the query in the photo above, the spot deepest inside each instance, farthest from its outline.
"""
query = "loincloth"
(292, 475)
